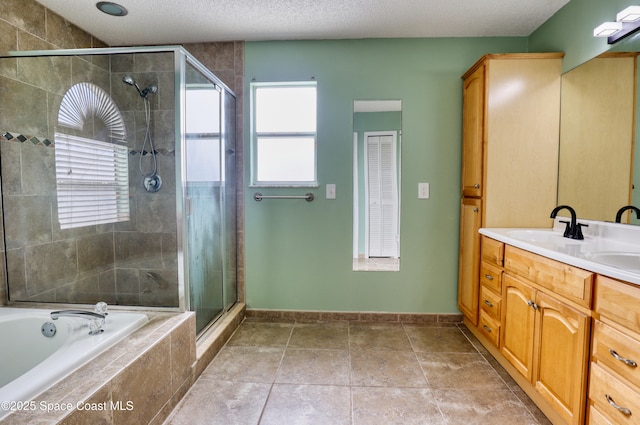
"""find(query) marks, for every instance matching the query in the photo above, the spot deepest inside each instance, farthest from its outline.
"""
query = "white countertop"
(599, 237)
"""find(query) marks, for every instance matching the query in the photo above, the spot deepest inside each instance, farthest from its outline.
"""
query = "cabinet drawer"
(492, 251)
(490, 302)
(618, 301)
(565, 280)
(491, 276)
(606, 392)
(489, 327)
(618, 351)
(597, 418)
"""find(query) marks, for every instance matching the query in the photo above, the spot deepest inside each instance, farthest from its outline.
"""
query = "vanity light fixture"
(627, 22)
(110, 8)
(630, 14)
(607, 29)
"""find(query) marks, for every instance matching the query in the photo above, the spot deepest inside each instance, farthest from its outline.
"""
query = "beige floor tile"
(245, 364)
(482, 407)
(378, 336)
(330, 335)
(376, 368)
(307, 404)
(460, 371)
(354, 373)
(395, 406)
(262, 334)
(221, 403)
(326, 367)
(438, 339)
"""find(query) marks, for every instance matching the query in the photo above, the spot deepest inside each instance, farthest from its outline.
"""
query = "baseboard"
(333, 316)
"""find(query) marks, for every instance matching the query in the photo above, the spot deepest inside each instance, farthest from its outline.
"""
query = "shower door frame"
(180, 56)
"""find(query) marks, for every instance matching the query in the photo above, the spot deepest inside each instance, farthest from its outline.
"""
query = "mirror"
(597, 138)
(377, 132)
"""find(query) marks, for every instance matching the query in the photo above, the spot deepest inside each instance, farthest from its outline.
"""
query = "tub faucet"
(623, 209)
(97, 319)
(573, 230)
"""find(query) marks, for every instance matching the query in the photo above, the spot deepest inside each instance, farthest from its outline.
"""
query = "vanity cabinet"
(614, 390)
(546, 328)
(510, 128)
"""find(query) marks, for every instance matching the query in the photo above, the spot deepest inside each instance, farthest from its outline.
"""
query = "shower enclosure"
(118, 180)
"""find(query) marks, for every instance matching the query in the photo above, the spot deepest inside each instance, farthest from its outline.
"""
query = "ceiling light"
(112, 9)
(630, 14)
(607, 29)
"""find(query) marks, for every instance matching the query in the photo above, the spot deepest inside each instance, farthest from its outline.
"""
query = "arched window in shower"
(91, 159)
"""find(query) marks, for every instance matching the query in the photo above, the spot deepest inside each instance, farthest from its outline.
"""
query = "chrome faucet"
(623, 209)
(573, 230)
(97, 319)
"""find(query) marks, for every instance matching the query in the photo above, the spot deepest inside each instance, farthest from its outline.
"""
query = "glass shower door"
(204, 162)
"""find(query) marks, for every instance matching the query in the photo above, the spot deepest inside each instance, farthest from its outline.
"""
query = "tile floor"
(354, 373)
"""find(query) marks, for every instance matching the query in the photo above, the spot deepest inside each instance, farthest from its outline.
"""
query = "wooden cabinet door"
(469, 264)
(561, 356)
(518, 321)
(473, 132)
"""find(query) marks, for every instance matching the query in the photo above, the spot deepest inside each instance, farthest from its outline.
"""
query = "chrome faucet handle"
(101, 308)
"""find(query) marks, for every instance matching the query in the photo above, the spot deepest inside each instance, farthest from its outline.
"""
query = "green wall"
(299, 254)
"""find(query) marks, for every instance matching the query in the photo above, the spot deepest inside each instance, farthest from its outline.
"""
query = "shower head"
(127, 79)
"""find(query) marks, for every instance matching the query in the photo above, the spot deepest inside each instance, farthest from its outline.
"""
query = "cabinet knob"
(616, 356)
(488, 277)
(532, 304)
(613, 404)
(486, 328)
(475, 210)
(476, 186)
(489, 303)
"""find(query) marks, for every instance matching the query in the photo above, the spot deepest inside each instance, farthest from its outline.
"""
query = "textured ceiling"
(190, 21)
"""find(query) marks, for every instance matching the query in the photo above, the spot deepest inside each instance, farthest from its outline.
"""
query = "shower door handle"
(188, 205)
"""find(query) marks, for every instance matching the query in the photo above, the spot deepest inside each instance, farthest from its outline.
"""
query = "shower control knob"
(152, 183)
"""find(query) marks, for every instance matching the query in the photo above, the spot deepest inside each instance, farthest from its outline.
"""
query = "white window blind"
(92, 181)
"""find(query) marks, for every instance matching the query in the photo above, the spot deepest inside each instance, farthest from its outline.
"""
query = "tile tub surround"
(151, 369)
(353, 372)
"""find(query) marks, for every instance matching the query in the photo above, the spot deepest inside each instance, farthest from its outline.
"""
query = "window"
(92, 180)
(283, 127)
(92, 175)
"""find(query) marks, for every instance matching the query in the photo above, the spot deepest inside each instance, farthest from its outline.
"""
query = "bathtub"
(30, 362)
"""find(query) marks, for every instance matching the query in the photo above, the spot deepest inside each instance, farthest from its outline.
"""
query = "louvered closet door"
(382, 196)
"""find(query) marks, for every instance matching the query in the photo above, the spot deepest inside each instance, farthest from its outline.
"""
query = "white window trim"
(254, 139)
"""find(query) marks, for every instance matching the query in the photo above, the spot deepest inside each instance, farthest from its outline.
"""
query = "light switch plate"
(423, 190)
(331, 191)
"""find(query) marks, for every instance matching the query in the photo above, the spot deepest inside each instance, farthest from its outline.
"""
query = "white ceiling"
(190, 21)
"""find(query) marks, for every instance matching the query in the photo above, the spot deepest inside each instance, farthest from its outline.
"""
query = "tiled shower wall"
(26, 25)
(130, 263)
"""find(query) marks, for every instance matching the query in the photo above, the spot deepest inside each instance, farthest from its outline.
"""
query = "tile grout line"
(484, 356)
(275, 378)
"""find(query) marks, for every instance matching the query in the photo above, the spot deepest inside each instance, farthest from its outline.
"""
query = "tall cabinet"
(510, 139)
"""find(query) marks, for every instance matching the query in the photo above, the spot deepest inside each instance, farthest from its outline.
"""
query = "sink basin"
(538, 236)
(622, 260)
